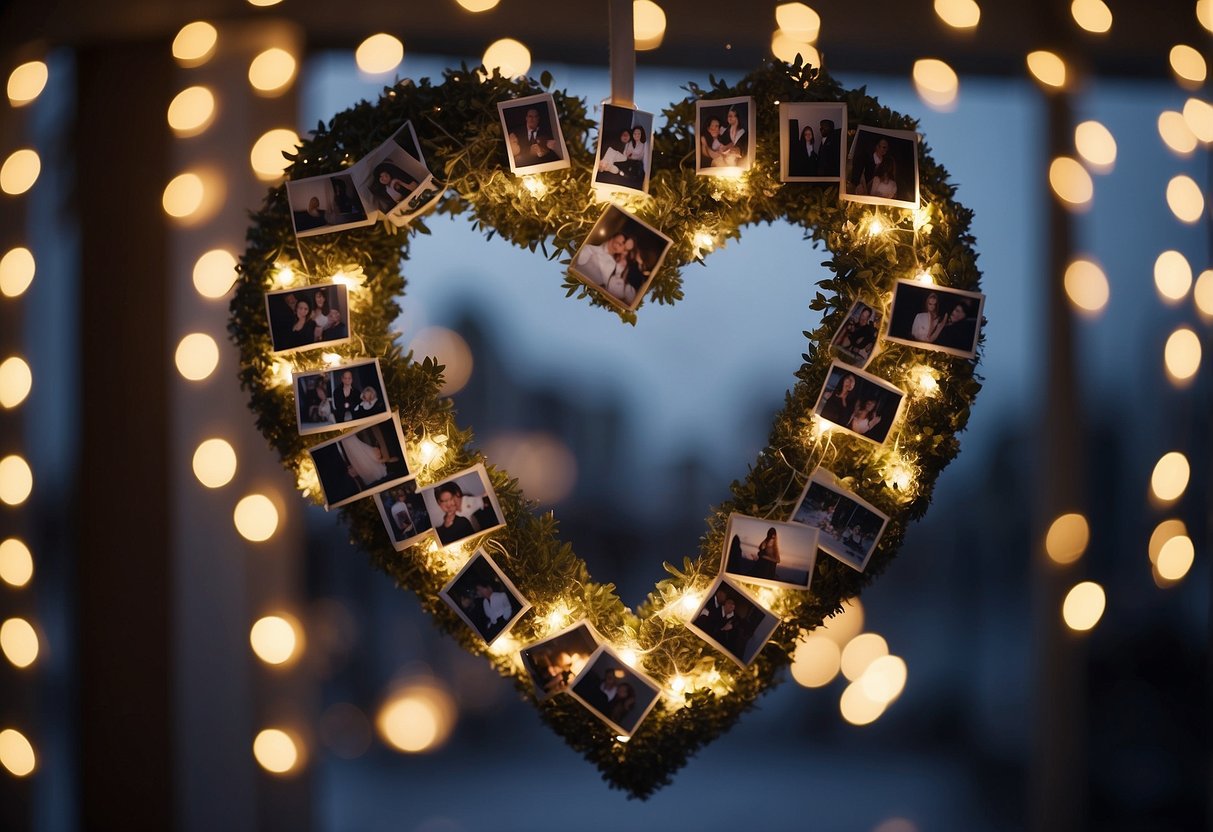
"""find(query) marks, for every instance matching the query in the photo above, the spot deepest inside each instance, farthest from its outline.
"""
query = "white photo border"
(544, 695)
(612, 187)
(786, 111)
(343, 293)
(751, 144)
(729, 581)
(445, 594)
(490, 492)
(840, 353)
(601, 290)
(926, 345)
(394, 418)
(326, 371)
(829, 480)
(878, 381)
(644, 678)
(906, 135)
(401, 545)
(543, 167)
(750, 579)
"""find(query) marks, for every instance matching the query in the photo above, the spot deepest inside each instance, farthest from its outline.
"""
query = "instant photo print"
(849, 528)
(812, 142)
(463, 506)
(533, 139)
(342, 397)
(404, 515)
(555, 661)
(855, 341)
(859, 403)
(484, 597)
(733, 622)
(724, 136)
(324, 204)
(934, 317)
(882, 168)
(625, 150)
(614, 692)
(361, 462)
(620, 257)
(308, 317)
(769, 552)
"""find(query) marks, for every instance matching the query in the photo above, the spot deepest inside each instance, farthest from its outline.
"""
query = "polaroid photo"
(393, 181)
(555, 661)
(769, 552)
(882, 168)
(812, 142)
(345, 396)
(484, 597)
(625, 151)
(534, 141)
(323, 204)
(307, 317)
(620, 257)
(859, 403)
(724, 136)
(936, 318)
(615, 693)
(849, 527)
(362, 461)
(404, 515)
(463, 506)
(855, 341)
(734, 622)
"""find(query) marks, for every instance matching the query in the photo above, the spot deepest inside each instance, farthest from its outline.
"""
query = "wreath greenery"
(461, 137)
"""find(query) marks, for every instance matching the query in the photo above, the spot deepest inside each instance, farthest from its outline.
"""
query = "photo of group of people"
(733, 621)
(614, 692)
(484, 597)
(855, 340)
(534, 141)
(812, 142)
(555, 661)
(724, 136)
(625, 153)
(883, 167)
(404, 514)
(859, 403)
(936, 318)
(344, 397)
(391, 181)
(769, 552)
(849, 527)
(361, 462)
(620, 257)
(307, 317)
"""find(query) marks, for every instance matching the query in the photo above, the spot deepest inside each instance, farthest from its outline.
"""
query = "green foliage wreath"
(461, 138)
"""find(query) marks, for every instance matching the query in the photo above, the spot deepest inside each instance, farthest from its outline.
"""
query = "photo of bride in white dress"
(361, 463)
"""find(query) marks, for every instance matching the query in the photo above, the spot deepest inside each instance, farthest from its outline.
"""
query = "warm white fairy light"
(876, 227)
(924, 277)
(922, 217)
(924, 379)
(559, 616)
(688, 603)
(284, 275)
(678, 684)
(431, 449)
(535, 186)
(703, 242)
(899, 474)
(331, 358)
(629, 656)
(504, 645)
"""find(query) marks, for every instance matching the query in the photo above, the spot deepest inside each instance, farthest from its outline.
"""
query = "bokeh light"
(1188, 65)
(266, 156)
(276, 751)
(449, 349)
(544, 465)
(184, 195)
(1199, 117)
(1067, 538)
(1203, 293)
(1175, 133)
(17, 268)
(1204, 14)
(959, 14)
(509, 56)
(1182, 354)
(214, 463)
(26, 82)
(816, 660)
(275, 639)
(20, 171)
(16, 480)
(197, 356)
(1163, 532)
(648, 25)
(476, 6)
(215, 273)
(195, 43)
(856, 708)
(1185, 199)
(1170, 477)
(1096, 145)
(1175, 558)
(885, 679)
(16, 562)
(16, 753)
(1071, 182)
(379, 54)
(417, 718)
(1047, 68)
(1092, 15)
(786, 49)
(1086, 286)
(272, 71)
(191, 111)
(860, 652)
(16, 381)
(1084, 606)
(936, 83)
(798, 21)
(256, 518)
(1172, 275)
(846, 625)
(19, 642)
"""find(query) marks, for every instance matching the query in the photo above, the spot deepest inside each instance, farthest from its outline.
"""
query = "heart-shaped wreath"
(856, 495)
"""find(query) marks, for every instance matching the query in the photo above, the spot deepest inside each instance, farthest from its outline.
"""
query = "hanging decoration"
(851, 458)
